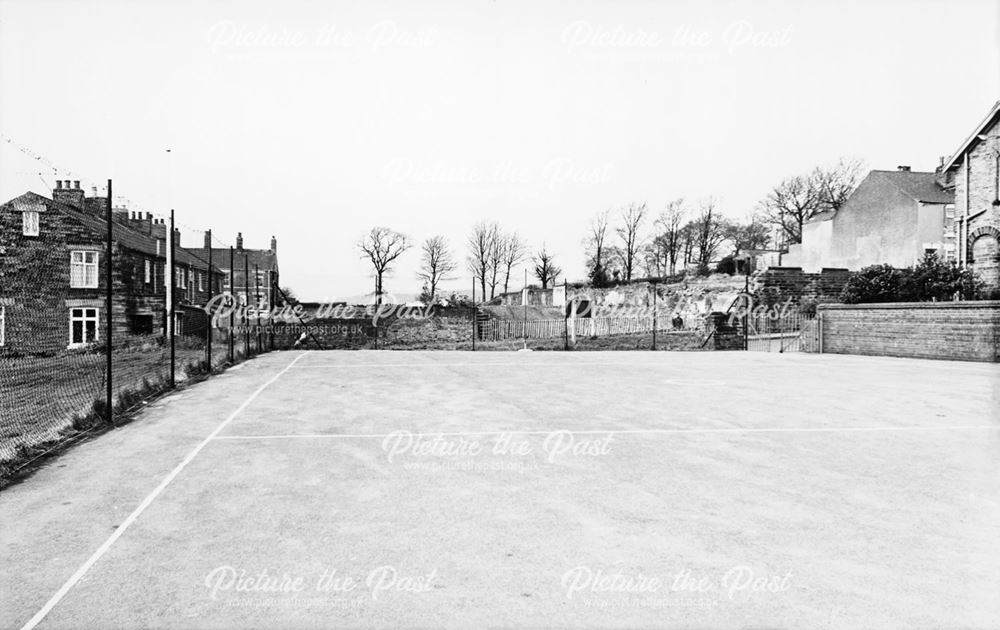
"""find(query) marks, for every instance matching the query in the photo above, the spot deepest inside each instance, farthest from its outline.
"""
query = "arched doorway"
(984, 254)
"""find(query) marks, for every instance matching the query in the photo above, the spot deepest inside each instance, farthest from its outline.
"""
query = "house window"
(82, 326)
(3, 325)
(180, 278)
(149, 271)
(83, 270)
(29, 223)
(201, 282)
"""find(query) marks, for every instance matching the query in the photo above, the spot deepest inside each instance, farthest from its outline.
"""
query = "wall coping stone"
(911, 305)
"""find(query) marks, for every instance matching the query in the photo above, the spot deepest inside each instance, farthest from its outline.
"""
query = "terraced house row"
(53, 283)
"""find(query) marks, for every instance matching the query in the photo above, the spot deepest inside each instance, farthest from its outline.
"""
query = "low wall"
(962, 331)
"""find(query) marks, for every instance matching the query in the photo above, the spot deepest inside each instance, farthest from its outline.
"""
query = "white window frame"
(149, 271)
(3, 325)
(79, 269)
(86, 314)
(180, 278)
(201, 282)
(30, 222)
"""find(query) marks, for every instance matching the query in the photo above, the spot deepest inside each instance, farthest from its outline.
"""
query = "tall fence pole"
(256, 304)
(475, 313)
(109, 278)
(565, 315)
(246, 291)
(654, 315)
(232, 303)
(208, 315)
(524, 300)
(170, 301)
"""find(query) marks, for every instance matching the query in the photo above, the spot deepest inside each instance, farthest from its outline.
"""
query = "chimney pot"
(58, 184)
(274, 244)
(239, 240)
(76, 184)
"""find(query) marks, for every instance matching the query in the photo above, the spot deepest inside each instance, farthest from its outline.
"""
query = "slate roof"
(918, 185)
(125, 236)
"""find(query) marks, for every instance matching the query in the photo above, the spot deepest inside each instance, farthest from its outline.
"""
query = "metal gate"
(782, 332)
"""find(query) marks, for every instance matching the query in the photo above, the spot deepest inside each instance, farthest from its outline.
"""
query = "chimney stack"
(239, 241)
(66, 194)
(903, 168)
(274, 245)
(208, 240)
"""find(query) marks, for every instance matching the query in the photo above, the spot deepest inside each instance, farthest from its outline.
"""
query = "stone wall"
(962, 331)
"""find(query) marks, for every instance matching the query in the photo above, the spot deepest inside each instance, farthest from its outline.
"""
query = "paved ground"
(702, 490)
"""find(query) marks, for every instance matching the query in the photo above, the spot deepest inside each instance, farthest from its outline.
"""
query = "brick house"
(972, 173)
(892, 217)
(53, 274)
(247, 287)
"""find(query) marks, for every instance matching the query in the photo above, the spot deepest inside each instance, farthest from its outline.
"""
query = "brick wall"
(963, 331)
(775, 286)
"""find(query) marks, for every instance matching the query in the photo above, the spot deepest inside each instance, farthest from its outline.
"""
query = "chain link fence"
(65, 356)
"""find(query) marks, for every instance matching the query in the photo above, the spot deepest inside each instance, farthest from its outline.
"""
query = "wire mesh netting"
(58, 345)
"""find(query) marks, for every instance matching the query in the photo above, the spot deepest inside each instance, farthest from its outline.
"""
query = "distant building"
(893, 217)
(253, 278)
(972, 173)
(53, 282)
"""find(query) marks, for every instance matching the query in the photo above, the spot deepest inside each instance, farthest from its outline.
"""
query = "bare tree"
(382, 247)
(631, 241)
(835, 184)
(436, 263)
(789, 205)
(483, 260)
(595, 248)
(797, 199)
(709, 232)
(545, 268)
(668, 238)
(512, 251)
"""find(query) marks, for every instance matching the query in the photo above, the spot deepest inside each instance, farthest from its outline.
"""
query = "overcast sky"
(315, 121)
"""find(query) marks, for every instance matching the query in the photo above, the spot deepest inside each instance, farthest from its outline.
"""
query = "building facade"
(53, 282)
(892, 217)
(250, 274)
(972, 173)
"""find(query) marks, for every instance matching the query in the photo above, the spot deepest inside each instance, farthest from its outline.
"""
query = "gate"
(781, 332)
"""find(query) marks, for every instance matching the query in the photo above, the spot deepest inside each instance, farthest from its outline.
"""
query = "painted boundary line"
(333, 436)
(71, 582)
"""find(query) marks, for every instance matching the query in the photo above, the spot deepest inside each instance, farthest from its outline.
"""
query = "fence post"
(256, 303)
(654, 316)
(171, 319)
(208, 316)
(475, 313)
(232, 303)
(109, 393)
(246, 291)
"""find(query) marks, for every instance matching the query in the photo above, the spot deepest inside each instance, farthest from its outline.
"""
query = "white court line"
(352, 366)
(71, 582)
(334, 436)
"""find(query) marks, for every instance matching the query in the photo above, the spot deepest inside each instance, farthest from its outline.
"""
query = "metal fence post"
(232, 303)
(475, 323)
(654, 315)
(208, 315)
(171, 318)
(246, 291)
(109, 318)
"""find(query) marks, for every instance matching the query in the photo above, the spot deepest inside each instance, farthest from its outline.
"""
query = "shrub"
(877, 283)
(727, 265)
(930, 280)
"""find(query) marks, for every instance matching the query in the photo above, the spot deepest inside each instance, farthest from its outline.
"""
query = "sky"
(316, 121)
